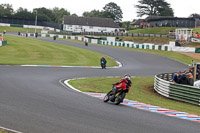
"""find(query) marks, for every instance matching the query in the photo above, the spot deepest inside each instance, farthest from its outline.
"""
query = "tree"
(154, 7)
(24, 13)
(112, 10)
(6, 10)
(94, 13)
(166, 11)
(194, 15)
(74, 14)
(59, 13)
(44, 14)
(126, 24)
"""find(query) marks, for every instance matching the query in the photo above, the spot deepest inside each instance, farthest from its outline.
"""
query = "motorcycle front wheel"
(106, 98)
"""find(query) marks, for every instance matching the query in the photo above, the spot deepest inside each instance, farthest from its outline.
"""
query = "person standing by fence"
(177, 77)
(190, 79)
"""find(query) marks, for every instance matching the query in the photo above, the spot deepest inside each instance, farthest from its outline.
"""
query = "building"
(167, 21)
(89, 24)
(137, 23)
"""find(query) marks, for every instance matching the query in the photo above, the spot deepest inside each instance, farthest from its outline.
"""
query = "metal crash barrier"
(185, 93)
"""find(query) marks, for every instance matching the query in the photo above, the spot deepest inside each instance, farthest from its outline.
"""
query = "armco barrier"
(179, 92)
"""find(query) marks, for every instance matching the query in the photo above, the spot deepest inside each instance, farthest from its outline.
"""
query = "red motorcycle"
(116, 95)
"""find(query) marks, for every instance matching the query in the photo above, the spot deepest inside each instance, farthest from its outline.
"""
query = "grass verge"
(140, 91)
(154, 30)
(17, 29)
(159, 30)
(4, 131)
(21, 50)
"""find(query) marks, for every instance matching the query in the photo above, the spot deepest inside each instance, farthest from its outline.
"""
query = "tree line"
(43, 14)
(110, 10)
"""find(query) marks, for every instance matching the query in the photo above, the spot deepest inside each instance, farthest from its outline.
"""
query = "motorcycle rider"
(125, 84)
(103, 63)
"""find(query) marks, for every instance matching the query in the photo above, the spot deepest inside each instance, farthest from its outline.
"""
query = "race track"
(32, 100)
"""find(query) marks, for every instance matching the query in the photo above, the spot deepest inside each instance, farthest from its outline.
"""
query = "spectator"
(198, 74)
(86, 43)
(26, 34)
(36, 34)
(190, 79)
(184, 80)
(177, 77)
(197, 34)
(191, 70)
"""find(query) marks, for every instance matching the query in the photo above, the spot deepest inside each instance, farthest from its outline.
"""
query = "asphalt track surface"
(32, 99)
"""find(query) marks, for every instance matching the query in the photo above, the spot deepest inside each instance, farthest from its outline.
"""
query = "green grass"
(159, 30)
(194, 44)
(17, 29)
(154, 30)
(196, 30)
(140, 91)
(21, 50)
(4, 131)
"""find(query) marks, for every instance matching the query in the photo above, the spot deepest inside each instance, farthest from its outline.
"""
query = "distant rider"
(103, 63)
(86, 43)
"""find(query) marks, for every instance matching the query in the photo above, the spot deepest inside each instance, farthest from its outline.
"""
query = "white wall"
(33, 26)
(38, 27)
(60, 36)
(2, 24)
(77, 28)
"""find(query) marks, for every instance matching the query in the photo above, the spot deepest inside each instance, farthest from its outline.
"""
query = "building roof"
(90, 21)
(158, 18)
(137, 22)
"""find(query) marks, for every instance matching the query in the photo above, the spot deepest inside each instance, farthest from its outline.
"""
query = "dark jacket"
(177, 78)
(103, 61)
(191, 81)
(184, 80)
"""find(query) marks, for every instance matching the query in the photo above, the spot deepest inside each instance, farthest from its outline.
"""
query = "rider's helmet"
(127, 77)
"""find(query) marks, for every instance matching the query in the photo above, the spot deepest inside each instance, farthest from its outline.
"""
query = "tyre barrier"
(184, 93)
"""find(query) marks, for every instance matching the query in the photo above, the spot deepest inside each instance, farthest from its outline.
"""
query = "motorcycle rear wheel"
(117, 100)
(120, 98)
